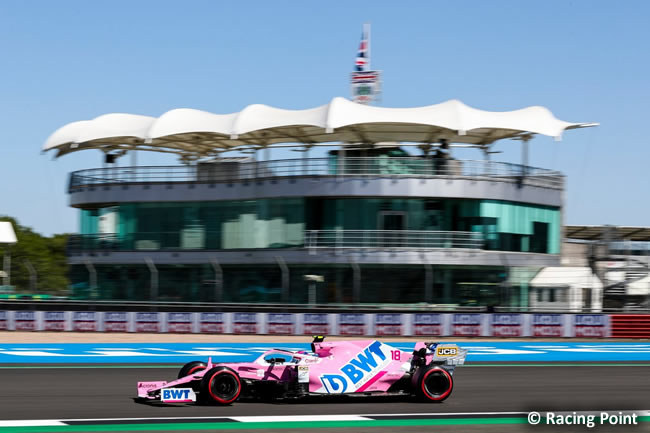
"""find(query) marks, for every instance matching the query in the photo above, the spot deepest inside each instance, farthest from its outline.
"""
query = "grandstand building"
(384, 213)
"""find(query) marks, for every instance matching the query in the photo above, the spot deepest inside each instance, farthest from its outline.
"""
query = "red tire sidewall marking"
(195, 368)
(220, 400)
(444, 394)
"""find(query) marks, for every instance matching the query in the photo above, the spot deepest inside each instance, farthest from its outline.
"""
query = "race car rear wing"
(440, 353)
(450, 354)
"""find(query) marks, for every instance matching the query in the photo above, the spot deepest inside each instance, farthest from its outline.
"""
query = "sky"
(587, 61)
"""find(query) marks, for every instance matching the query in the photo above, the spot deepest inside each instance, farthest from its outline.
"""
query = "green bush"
(46, 254)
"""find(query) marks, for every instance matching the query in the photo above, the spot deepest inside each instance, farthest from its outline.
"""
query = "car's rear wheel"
(191, 368)
(220, 385)
(433, 384)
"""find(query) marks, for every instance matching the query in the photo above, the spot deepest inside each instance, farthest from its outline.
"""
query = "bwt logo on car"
(590, 325)
(315, 324)
(245, 323)
(179, 322)
(178, 395)
(352, 324)
(146, 322)
(506, 325)
(211, 323)
(427, 324)
(388, 324)
(357, 371)
(54, 321)
(467, 325)
(547, 325)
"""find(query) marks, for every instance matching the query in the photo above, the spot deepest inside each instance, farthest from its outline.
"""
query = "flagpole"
(366, 28)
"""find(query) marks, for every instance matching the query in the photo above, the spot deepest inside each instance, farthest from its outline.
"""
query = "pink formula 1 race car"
(343, 367)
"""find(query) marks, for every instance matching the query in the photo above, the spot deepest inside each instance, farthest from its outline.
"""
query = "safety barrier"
(630, 325)
(346, 324)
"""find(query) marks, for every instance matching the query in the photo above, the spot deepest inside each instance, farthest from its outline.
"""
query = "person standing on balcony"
(441, 157)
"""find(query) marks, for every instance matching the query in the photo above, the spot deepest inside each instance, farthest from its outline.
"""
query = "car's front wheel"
(220, 385)
(433, 383)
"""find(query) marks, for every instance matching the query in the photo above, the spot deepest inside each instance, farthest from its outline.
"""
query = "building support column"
(33, 276)
(285, 278)
(305, 161)
(428, 283)
(6, 280)
(524, 296)
(356, 281)
(218, 280)
(153, 288)
(524, 154)
(134, 163)
(341, 162)
(596, 297)
(446, 286)
(124, 279)
(92, 273)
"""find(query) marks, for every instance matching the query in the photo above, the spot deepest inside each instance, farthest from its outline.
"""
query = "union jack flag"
(362, 55)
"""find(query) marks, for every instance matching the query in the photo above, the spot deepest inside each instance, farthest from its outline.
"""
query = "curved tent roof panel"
(614, 233)
(7, 234)
(201, 133)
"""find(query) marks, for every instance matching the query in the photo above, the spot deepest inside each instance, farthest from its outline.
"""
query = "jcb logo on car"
(447, 351)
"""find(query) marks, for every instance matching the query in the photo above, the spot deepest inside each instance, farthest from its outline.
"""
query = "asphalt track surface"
(49, 392)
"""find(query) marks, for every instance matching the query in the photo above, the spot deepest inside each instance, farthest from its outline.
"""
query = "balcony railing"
(373, 239)
(391, 239)
(241, 171)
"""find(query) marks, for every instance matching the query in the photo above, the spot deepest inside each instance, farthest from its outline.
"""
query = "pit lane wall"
(352, 324)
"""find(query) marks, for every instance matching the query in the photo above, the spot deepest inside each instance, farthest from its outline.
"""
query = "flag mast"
(366, 29)
(364, 82)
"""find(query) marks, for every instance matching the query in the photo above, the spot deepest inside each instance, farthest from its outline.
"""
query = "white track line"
(306, 418)
(285, 418)
(32, 423)
(444, 414)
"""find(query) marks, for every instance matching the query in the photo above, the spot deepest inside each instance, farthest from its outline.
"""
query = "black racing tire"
(221, 386)
(433, 383)
(191, 368)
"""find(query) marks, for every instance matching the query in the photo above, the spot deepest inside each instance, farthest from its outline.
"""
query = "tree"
(45, 254)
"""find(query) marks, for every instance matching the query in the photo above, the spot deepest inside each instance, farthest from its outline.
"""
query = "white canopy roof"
(7, 235)
(567, 276)
(195, 132)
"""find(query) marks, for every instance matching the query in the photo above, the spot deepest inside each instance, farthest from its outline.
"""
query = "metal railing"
(126, 305)
(390, 239)
(172, 240)
(377, 239)
(237, 171)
